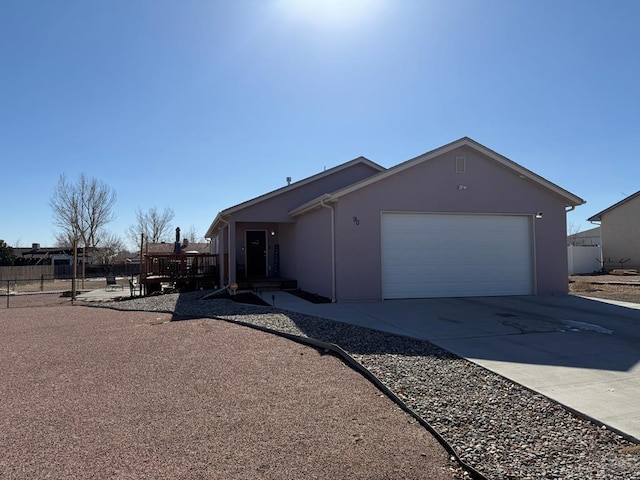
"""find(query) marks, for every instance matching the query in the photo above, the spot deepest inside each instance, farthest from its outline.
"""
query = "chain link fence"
(34, 292)
(33, 286)
(48, 291)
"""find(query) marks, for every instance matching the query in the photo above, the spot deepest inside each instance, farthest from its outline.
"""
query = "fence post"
(42, 283)
(8, 293)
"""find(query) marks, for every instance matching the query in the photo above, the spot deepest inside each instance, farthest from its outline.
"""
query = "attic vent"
(461, 164)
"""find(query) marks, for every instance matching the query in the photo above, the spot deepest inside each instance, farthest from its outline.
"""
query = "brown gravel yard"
(98, 393)
(610, 287)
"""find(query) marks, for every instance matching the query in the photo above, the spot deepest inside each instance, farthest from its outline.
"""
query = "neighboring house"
(460, 220)
(167, 248)
(589, 237)
(620, 231)
(37, 255)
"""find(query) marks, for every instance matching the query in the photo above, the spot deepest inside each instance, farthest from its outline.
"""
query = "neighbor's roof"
(598, 216)
(592, 232)
(168, 247)
(287, 188)
(570, 198)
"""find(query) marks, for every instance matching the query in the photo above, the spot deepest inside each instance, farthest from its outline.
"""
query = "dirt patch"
(609, 287)
(98, 393)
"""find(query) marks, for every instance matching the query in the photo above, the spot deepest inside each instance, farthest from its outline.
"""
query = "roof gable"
(289, 188)
(598, 216)
(571, 199)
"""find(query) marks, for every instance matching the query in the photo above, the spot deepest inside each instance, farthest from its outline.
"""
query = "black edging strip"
(594, 421)
(346, 358)
(351, 362)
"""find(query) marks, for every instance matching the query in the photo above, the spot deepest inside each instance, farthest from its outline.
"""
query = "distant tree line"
(83, 208)
(7, 257)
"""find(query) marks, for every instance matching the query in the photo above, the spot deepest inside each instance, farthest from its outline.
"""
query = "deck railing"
(180, 268)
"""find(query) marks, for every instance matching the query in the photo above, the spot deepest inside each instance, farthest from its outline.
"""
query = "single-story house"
(37, 255)
(590, 237)
(620, 232)
(460, 220)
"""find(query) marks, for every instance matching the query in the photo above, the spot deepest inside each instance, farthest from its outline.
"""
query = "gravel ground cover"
(500, 428)
(611, 287)
(104, 394)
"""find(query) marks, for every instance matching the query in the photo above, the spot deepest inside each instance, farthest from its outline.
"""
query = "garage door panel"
(426, 255)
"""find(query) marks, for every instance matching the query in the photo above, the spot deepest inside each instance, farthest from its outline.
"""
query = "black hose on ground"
(338, 352)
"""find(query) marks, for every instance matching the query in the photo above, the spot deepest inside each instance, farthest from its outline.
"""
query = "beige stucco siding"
(620, 231)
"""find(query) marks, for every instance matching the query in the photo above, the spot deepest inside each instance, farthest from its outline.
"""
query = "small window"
(461, 165)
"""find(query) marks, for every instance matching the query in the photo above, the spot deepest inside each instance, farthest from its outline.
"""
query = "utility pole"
(74, 270)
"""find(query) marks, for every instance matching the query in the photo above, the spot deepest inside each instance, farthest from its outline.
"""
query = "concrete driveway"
(580, 352)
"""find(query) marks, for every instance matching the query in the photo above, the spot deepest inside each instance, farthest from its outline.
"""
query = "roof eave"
(598, 216)
(301, 183)
(571, 199)
(311, 205)
(212, 228)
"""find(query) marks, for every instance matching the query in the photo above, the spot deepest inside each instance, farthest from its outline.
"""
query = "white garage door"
(429, 255)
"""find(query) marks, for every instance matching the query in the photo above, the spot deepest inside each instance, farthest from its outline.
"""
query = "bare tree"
(81, 210)
(111, 245)
(155, 225)
(573, 230)
(193, 236)
(63, 240)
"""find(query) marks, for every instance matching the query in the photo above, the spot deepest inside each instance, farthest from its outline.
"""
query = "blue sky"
(198, 105)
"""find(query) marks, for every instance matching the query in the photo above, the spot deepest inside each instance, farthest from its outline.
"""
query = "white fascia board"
(598, 216)
(212, 227)
(311, 205)
(463, 142)
(297, 184)
(570, 197)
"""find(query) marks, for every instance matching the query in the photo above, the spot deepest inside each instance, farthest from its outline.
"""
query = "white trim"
(598, 216)
(287, 188)
(523, 268)
(463, 142)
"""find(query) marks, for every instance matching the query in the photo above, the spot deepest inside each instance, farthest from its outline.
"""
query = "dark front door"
(256, 253)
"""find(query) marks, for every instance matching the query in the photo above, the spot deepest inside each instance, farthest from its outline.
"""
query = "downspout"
(228, 225)
(333, 249)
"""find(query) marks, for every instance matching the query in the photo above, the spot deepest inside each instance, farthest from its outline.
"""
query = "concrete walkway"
(581, 352)
(104, 294)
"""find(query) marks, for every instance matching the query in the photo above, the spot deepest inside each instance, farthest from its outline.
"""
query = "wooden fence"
(26, 272)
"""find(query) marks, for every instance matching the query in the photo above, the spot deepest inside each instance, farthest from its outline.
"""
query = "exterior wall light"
(539, 215)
